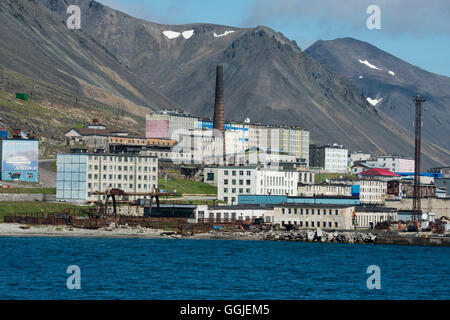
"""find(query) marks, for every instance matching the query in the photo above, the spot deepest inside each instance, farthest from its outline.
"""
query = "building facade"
(324, 190)
(332, 158)
(396, 164)
(167, 124)
(81, 174)
(234, 181)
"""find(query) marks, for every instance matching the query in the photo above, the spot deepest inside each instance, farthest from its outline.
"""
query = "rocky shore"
(321, 236)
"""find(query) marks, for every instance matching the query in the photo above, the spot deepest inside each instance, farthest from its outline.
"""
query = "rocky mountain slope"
(268, 78)
(59, 62)
(389, 83)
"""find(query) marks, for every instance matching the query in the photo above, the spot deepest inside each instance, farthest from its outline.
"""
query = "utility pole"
(416, 210)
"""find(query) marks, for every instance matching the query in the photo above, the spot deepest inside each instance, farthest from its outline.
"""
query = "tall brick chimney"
(219, 106)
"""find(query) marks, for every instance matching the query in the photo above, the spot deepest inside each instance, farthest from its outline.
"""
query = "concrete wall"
(27, 197)
(441, 207)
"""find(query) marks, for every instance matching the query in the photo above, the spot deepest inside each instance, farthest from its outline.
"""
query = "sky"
(417, 31)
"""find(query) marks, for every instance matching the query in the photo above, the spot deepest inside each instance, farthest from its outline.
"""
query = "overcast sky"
(417, 31)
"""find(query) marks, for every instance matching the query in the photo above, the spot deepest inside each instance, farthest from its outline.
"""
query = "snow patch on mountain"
(223, 34)
(367, 63)
(392, 73)
(360, 77)
(374, 102)
(187, 34)
(173, 34)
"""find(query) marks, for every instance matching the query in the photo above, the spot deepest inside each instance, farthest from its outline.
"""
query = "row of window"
(233, 190)
(233, 182)
(307, 211)
(121, 159)
(312, 224)
(234, 172)
(120, 168)
(120, 177)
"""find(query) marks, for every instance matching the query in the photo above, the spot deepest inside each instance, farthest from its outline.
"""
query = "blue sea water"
(35, 268)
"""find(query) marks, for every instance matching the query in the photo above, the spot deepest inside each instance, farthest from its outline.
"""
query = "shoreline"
(319, 236)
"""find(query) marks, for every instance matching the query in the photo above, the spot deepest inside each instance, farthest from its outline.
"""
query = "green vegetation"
(8, 207)
(320, 177)
(183, 186)
(53, 166)
(29, 190)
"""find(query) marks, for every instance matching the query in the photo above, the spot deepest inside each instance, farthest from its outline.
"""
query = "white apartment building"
(81, 174)
(396, 164)
(371, 191)
(233, 181)
(331, 158)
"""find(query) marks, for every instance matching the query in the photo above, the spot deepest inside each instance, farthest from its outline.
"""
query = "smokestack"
(219, 106)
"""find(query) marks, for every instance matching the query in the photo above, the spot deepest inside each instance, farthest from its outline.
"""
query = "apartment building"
(396, 164)
(234, 181)
(81, 174)
(331, 158)
(167, 124)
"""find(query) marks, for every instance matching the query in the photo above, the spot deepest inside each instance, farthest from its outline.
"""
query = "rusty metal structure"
(113, 193)
(219, 106)
(417, 210)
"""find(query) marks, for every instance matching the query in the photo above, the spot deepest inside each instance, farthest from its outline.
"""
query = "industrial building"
(301, 215)
(19, 160)
(79, 174)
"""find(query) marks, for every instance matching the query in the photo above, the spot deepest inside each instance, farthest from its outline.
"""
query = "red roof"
(379, 172)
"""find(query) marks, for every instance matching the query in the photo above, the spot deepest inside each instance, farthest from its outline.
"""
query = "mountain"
(40, 54)
(390, 83)
(267, 77)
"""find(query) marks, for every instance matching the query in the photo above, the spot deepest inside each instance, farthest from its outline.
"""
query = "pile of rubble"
(321, 236)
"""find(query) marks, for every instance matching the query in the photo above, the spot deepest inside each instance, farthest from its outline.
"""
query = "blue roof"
(422, 174)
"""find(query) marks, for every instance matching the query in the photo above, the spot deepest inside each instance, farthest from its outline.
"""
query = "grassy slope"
(187, 187)
(29, 190)
(8, 207)
(319, 177)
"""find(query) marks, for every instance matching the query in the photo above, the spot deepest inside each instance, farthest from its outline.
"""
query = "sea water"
(36, 268)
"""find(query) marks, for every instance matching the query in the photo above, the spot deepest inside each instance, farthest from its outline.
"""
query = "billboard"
(20, 155)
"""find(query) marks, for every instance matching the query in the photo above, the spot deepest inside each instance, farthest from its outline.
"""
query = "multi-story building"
(81, 174)
(331, 158)
(168, 124)
(396, 164)
(370, 191)
(19, 160)
(233, 181)
(359, 156)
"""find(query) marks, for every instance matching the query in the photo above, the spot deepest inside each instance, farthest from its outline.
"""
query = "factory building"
(80, 174)
(19, 160)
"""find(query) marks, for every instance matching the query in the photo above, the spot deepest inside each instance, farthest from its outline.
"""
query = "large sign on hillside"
(20, 155)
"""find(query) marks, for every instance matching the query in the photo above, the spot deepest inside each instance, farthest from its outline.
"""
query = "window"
(247, 190)
(225, 172)
(241, 173)
(330, 212)
(249, 173)
(301, 223)
(225, 181)
(289, 211)
(329, 224)
(312, 223)
(336, 224)
(233, 182)
(233, 172)
(312, 211)
(337, 211)
(324, 224)
(307, 211)
(282, 211)
(248, 182)
(241, 182)
(306, 224)
(301, 211)
(225, 190)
